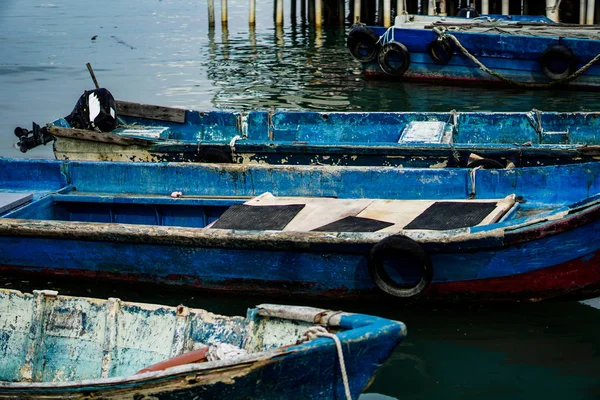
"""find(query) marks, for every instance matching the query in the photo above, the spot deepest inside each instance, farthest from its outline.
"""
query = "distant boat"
(62, 347)
(458, 234)
(407, 139)
(519, 53)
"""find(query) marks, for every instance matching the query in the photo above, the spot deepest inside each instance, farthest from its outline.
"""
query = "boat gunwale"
(503, 234)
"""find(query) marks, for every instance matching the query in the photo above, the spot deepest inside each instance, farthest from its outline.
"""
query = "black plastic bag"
(95, 110)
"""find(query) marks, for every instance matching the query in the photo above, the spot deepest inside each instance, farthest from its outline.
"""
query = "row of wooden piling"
(434, 7)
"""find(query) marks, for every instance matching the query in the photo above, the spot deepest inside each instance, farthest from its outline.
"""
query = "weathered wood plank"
(102, 137)
(161, 113)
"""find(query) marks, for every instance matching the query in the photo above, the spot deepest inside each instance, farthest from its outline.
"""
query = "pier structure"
(381, 12)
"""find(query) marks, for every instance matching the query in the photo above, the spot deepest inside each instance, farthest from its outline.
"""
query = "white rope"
(318, 331)
(387, 37)
(556, 6)
(232, 143)
(472, 173)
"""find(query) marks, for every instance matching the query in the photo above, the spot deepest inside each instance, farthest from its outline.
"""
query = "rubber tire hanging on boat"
(213, 155)
(441, 50)
(561, 54)
(402, 247)
(362, 43)
(383, 58)
(486, 163)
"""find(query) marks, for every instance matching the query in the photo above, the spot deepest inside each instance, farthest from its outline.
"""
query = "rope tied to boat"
(232, 143)
(453, 119)
(443, 34)
(319, 331)
(472, 175)
(387, 37)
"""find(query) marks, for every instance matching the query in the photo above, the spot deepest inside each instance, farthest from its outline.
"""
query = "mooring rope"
(387, 37)
(472, 175)
(318, 331)
(442, 34)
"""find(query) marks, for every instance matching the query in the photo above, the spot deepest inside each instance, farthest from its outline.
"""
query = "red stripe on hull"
(456, 80)
(576, 279)
(568, 278)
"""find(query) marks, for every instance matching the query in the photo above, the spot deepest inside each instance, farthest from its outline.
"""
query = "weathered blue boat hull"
(115, 228)
(521, 139)
(516, 57)
(60, 347)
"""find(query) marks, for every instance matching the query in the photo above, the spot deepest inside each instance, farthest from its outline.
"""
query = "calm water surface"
(162, 52)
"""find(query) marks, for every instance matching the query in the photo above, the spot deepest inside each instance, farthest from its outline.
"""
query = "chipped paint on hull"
(74, 334)
(522, 139)
(116, 228)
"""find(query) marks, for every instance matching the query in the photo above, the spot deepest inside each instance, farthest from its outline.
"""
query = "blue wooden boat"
(344, 232)
(526, 54)
(61, 347)
(408, 139)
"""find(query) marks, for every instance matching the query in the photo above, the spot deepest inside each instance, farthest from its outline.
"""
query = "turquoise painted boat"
(405, 139)
(61, 347)
(381, 233)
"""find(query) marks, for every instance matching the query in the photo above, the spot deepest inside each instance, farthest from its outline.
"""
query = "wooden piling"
(293, 11)
(211, 13)
(552, 10)
(303, 11)
(505, 9)
(318, 13)
(443, 9)
(224, 12)
(582, 8)
(387, 13)
(311, 11)
(431, 8)
(279, 13)
(590, 12)
(252, 16)
(399, 7)
(485, 6)
(356, 11)
(341, 12)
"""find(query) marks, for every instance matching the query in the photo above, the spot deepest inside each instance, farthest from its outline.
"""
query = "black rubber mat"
(354, 224)
(444, 215)
(257, 218)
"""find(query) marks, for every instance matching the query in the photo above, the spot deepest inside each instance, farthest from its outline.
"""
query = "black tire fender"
(363, 43)
(486, 163)
(215, 155)
(441, 50)
(558, 54)
(398, 245)
(399, 50)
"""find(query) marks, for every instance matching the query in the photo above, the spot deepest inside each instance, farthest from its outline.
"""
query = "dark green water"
(162, 52)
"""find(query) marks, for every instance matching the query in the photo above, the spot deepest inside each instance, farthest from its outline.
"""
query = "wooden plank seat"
(364, 215)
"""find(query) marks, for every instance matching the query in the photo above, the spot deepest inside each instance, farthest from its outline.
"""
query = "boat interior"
(298, 198)
(79, 338)
(264, 212)
(371, 129)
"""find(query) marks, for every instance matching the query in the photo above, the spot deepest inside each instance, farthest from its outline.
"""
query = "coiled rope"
(442, 34)
(318, 331)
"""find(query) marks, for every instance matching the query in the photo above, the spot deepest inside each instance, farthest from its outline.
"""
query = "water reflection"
(296, 69)
(301, 67)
